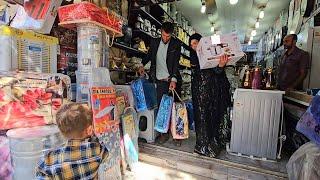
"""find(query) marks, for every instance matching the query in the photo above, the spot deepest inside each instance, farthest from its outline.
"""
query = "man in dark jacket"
(164, 54)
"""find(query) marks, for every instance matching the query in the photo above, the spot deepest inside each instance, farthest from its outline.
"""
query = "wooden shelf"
(126, 48)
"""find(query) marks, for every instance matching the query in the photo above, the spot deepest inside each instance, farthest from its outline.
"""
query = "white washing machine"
(146, 125)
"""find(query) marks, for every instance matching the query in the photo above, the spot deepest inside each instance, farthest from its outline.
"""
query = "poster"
(103, 101)
(210, 49)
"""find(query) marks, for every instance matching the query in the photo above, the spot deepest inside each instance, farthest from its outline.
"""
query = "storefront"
(101, 47)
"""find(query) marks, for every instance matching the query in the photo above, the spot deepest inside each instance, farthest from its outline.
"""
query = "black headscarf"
(193, 54)
(195, 36)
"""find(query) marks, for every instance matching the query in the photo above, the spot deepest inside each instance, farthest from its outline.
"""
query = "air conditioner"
(27, 51)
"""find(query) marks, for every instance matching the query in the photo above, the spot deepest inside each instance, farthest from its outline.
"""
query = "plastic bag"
(164, 114)
(304, 163)
(309, 124)
(31, 99)
(6, 167)
(179, 120)
(144, 94)
(37, 15)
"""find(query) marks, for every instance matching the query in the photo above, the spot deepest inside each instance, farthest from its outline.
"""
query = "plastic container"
(91, 43)
(83, 82)
(27, 145)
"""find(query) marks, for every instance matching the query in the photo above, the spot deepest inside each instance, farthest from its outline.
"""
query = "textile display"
(309, 124)
(164, 114)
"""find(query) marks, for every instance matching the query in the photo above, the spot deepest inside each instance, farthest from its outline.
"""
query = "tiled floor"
(188, 146)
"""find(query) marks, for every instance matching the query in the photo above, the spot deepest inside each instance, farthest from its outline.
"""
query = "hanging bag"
(179, 119)
(164, 114)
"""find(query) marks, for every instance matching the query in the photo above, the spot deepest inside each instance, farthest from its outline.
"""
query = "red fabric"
(89, 11)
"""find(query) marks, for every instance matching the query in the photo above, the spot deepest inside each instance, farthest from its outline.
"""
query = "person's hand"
(172, 85)
(141, 71)
(224, 59)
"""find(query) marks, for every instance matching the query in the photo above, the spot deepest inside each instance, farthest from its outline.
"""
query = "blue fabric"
(144, 95)
(164, 114)
(309, 124)
(190, 115)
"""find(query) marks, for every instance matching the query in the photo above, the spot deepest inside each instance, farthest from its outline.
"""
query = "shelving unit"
(130, 49)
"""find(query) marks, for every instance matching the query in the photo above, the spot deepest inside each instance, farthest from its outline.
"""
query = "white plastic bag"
(305, 163)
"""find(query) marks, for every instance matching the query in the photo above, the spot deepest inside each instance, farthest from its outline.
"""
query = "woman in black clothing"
(211, 97)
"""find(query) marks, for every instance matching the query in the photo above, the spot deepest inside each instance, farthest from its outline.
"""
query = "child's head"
(75, 121)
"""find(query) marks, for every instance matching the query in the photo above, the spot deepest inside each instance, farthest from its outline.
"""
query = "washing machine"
(146, 125)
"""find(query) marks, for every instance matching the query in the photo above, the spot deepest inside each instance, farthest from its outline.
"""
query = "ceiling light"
(233, 2)
(257, 25)
(254, 32)
(261, 14)
(212, 28)
(249, 43)
(251, 38)
(203, 7)
(292, 32)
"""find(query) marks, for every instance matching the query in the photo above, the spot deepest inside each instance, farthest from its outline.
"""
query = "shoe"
(177, 142)
(163, 138)
(214, 149)
(201, 150)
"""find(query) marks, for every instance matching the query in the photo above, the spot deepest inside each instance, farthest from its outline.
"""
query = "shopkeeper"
(293, 65)
(164, 54)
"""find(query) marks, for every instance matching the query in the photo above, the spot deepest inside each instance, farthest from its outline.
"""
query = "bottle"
(269, 79)
(256, 82)
(247, 79)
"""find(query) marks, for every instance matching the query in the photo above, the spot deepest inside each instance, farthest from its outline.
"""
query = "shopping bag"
(144, 94)
(164, 114)
(309, 124)
(179, 119)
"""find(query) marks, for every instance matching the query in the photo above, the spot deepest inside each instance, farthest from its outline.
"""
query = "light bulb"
(251, 38)
(292, 32)
(233, 2)
(203, 8)
(261, 14)
(249, 43)
(257, 25)
(254, 32)
(212, 29)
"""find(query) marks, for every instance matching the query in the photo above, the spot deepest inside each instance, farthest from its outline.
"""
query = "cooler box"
(144, 94)
(255, 122)
(27, 51)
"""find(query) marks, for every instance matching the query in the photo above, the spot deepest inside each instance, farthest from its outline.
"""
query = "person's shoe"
(201, 150)
(214, 149)
(163, 138)
(177, 142)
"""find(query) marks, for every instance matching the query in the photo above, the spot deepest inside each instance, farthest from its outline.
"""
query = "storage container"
(27, 145)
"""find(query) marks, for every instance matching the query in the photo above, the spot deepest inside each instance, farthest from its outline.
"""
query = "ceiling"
(227, 18)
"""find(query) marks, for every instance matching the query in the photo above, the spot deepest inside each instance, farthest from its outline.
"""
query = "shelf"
(120, 70)
(124, 47)
(145, 14)
(143, 32)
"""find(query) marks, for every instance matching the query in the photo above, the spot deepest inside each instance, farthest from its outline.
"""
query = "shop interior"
(100, 46)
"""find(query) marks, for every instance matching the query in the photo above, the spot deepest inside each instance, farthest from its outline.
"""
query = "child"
(82, 154)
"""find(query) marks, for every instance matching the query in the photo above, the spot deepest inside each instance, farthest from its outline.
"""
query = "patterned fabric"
(211, 97)
(5, 167)
(78, 159)
(309, 124)
(164, 114)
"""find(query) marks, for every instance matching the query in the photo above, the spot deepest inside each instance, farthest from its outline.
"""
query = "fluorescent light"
(212, 28)
(233, 2)
(203, 8)
(254, 32)
(261, 14)
(257, 25)
(215, 39)
(251, 38)
(249, 43)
